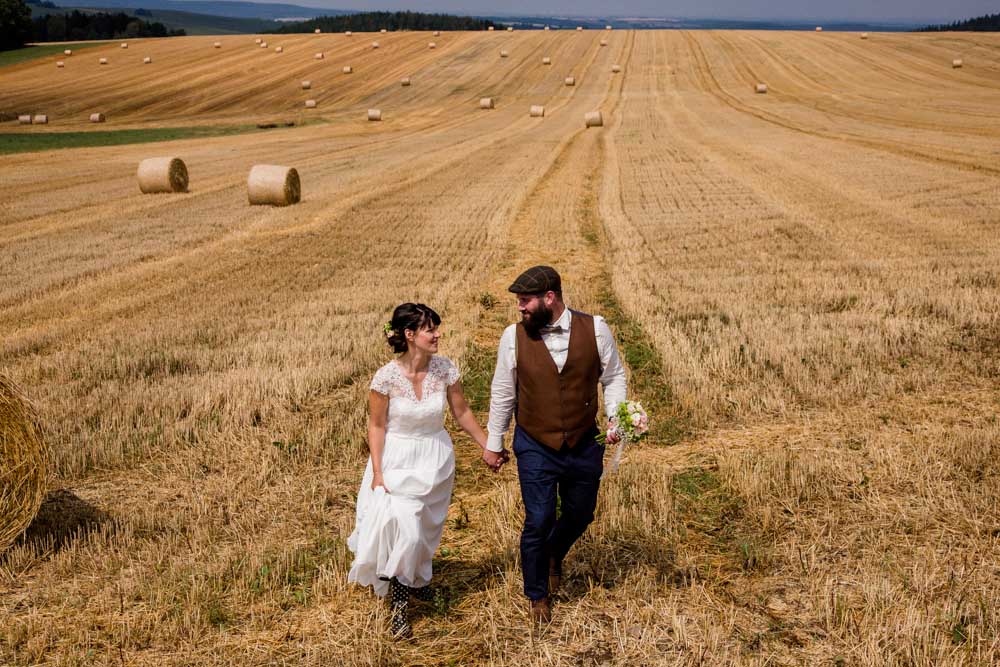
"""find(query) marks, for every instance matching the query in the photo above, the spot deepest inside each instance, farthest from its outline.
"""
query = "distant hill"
(190, 23)
(374, 21)
(987, 23)
(245, 10)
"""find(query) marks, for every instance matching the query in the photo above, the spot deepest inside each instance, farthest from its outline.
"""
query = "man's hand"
(495, 460)
(612, 436)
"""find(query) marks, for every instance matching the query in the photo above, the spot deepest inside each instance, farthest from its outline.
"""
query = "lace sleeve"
(451, 373)
(381, 383)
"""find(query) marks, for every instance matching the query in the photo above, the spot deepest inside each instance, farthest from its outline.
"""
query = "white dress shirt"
(556, 338)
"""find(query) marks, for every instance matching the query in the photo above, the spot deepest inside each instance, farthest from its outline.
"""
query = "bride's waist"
(438, 433)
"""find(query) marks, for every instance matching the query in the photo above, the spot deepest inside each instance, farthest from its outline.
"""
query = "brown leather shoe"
(541, 611)
(555, 577)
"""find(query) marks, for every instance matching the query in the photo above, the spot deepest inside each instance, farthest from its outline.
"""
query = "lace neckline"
(413, 387)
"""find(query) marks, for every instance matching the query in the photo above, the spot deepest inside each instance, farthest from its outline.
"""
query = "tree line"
(375, 21)
(986, 23)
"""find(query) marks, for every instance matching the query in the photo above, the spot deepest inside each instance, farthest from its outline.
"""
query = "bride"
(406, 488)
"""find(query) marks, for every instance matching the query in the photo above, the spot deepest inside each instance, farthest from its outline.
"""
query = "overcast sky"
(910, 10)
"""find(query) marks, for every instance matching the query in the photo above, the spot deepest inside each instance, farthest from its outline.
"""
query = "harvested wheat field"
(805, 285)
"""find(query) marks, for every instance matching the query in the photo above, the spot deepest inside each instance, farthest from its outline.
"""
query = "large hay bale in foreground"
(97, 118)
(273, 185)
(23, 463)
(536, 111)
(593, 119)
(374, 114)
(486, 103)
(162, 174)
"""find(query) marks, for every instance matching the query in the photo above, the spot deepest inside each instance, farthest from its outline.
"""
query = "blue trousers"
(572, 475)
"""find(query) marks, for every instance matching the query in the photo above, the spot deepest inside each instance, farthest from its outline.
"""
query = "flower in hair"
(388, 330)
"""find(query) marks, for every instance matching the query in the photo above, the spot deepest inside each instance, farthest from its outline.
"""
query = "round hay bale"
(956, 63)
(319, 56)
(437, 33)
(375, 45)
(510, 29)
(257, 40)
(490, 29)
(68, 52)
(383, 31)
(279, 49)
(570, 81)
(760, 88)
(536, 111)
(348, 33)
(864, 35)
(819, 28)
(162, 174)
(432, 45)
(124, 45)
(546, 28)
(604, 42)
(317, 31)
(405, 81)
(306, 85)
(23, 463)
(347, 69)
(504, 53)
(546, 60)
(40, 119)
(60, 64)
(579, 28)
(273, 185)
(263, 45)
(147, 60)
(217, 45)
(102, 61)
(486, 103)
(607, 27)
(310, 104)
(374, 114)
(96, 118)
(593, 119)
(616, 68)
(24, 119)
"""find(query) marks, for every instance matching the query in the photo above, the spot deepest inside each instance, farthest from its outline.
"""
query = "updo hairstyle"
(413, 316)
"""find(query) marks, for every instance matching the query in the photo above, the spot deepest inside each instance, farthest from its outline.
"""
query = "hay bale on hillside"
(956, 63)
(510, 29)
(263, 45)
(348, 33)
(593, 119)
(504, 53)
(432, 45)
(546, 60)
(383, 31)
(374, 114)
(60, 64)
(124, 45)
(405, 81)
(162, 174)
(570, 81)
(536, 111)
(257, 40)
(490, 29)
(819, 28)
(347, 69)
(486, 103)
(607, 27)
(40, 119)
(96, 118)
(375, 45)
(24, 119)
(279, 49)
(546, 28)
(319, 56)
(23, 463)
(616, 68)
(317, 31)
(68, 52)
(437, 33)
(604, 42)
(273, 185)
(306, 85)
(102, 61)
(579, 28)
(864, 35)
(217, 45)
(147, 60)
(310, 104)
(760, 88)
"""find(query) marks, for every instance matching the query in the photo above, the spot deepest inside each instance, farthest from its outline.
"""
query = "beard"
(533, 322)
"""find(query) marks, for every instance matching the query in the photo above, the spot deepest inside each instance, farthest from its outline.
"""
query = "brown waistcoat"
(558, 408)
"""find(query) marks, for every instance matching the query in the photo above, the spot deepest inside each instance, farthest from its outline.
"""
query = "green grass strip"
(29, 142)
(40, 51)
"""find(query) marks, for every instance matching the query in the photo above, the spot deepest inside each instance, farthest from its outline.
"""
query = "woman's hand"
(377, 481)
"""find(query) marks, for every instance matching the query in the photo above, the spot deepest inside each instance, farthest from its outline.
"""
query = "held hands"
(495, 460)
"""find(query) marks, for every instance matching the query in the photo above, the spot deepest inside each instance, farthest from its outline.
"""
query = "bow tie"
(552, 329)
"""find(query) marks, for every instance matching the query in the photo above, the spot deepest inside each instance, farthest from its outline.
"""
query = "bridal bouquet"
(630, 424)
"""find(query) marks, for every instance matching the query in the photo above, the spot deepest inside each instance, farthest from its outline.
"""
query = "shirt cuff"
(494, 443)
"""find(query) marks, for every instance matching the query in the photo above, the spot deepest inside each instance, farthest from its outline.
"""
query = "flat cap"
(537, 280)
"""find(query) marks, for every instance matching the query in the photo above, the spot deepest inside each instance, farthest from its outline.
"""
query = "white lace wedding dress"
(396, 533)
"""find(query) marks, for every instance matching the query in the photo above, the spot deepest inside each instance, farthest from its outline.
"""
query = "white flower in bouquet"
(628, 425)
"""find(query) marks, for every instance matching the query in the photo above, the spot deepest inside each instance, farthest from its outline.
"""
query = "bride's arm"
(463, 414)
(378, 415)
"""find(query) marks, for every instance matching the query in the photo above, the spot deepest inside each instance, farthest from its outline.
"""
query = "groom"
(548, 368)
